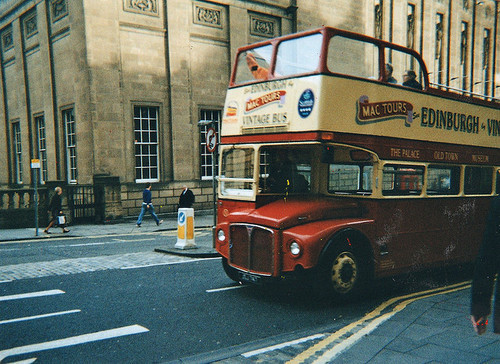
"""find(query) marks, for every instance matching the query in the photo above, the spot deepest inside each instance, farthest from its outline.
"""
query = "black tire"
(343, 271)
(230, 271)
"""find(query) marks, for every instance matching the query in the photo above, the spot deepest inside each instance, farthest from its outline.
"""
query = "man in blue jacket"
(147, 205)
(487, 267)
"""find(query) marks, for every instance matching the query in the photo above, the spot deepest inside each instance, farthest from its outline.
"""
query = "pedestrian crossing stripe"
(74, 340)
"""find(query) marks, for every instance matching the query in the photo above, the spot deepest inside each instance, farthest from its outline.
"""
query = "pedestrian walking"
(186, 199)
(55, 210)
(147, 205)
(486, 268)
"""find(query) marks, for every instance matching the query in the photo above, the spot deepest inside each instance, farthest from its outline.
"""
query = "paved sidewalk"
(430, 327)
(202, 221)
(425, 327)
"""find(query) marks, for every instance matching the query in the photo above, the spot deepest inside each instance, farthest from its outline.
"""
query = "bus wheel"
(343, 272)
(230, 271)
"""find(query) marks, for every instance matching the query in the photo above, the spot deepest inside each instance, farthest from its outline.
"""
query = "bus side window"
(478, 180)
(443, 180)
(353, 57)
(350, 179)
(401, 63)
(400, 180)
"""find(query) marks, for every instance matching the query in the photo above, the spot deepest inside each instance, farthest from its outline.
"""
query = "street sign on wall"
(211, 140)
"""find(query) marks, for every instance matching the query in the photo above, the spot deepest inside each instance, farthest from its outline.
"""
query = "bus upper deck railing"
(464, 92)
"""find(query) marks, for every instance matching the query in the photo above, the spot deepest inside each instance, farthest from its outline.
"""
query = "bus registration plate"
(249, 277)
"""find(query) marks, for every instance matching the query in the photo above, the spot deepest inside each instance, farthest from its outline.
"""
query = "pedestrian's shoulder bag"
(61, 219)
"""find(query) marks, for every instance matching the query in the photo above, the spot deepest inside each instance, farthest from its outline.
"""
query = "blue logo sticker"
(306, 103)
(182, 218)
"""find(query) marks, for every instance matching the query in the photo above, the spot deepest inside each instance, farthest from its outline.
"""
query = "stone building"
(112, 91)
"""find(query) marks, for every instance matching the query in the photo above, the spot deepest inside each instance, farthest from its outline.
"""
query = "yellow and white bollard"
(185, 229)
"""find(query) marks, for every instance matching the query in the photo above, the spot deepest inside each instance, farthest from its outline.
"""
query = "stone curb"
(193, 253)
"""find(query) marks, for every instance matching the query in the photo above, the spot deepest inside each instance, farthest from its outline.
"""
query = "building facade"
(114, 90)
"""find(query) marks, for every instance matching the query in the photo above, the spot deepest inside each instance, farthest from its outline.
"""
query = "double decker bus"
(332, 170)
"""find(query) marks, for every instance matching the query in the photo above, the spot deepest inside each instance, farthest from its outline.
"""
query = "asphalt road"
(112, 299)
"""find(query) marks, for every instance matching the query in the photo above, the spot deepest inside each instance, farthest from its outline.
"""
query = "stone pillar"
(107, 198)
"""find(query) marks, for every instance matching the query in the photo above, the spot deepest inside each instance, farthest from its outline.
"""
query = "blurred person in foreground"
(486, 268)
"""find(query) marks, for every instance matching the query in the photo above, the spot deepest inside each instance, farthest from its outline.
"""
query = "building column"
(179, 15)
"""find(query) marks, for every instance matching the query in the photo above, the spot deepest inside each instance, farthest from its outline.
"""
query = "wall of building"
(102, 59)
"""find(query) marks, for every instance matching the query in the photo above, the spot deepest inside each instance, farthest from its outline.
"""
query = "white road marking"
(27, 318)
(191, 260)
(132, 240)
(48, 237)
(116, 241)
(27, 361)
(76, 245)
(225, 288)
(151, 265)
(31, 295)
(74, 340)
(38, 240)
(282, 345)
(6, 281)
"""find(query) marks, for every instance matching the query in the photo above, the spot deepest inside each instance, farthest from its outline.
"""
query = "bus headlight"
(221, 236)
(295, 248)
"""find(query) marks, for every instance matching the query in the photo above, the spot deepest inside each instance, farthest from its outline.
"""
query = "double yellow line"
(324, 351)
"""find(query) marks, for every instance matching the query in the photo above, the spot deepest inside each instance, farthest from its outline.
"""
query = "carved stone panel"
(30, 25)
(204, 14)
(147, 7)
(59, 9)
(264, 26)
(7, 39)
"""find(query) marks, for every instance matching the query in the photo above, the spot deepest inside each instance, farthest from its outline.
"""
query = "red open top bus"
(329, 166)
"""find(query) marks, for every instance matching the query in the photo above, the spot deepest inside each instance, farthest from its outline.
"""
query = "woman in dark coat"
(55, 209)
(487, 267)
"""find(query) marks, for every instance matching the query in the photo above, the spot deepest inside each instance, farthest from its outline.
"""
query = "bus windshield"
(253, 64)
(281, 170)
(285, 170)
(294, 57)
(236, 177)
(300, 55)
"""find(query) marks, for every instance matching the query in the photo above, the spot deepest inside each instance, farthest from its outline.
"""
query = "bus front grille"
(251, 248)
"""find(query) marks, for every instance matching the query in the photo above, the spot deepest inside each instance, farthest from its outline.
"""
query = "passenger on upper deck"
(409, 80)
(388, 73)
(258, 72)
